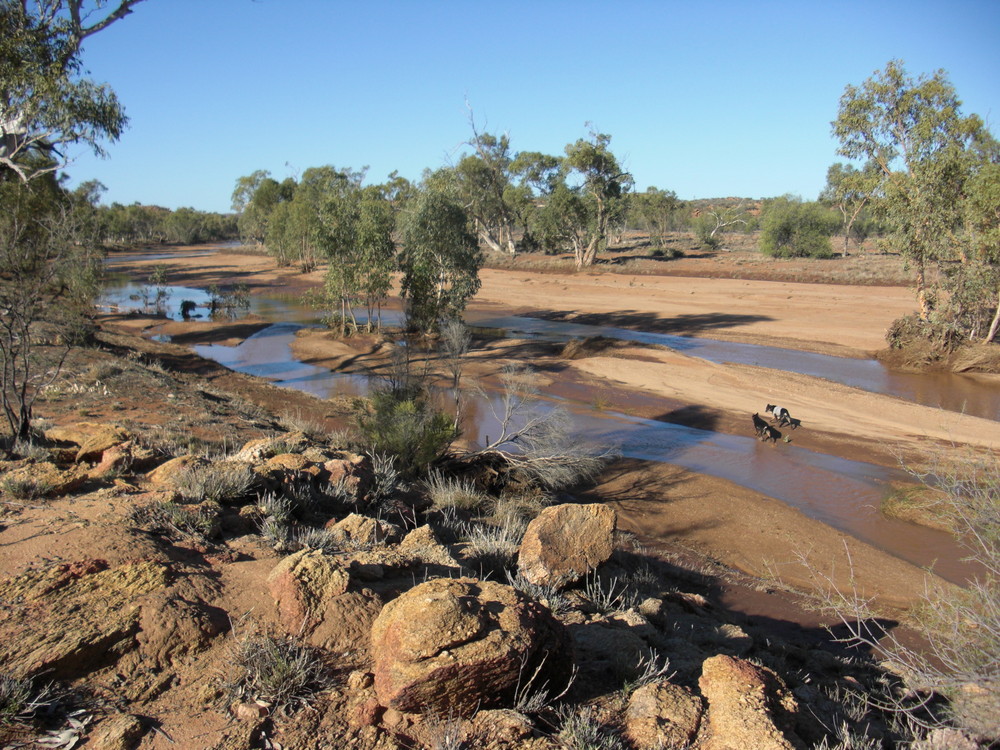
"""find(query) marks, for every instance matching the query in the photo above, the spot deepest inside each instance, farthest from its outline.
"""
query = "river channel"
(842, 493)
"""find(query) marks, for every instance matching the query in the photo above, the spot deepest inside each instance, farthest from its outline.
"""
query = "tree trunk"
(992, 333)
(922, 298)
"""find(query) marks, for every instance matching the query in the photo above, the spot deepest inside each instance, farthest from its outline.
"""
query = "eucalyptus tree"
(534, 177)
(48, 270)
(657, 212)
(590, 198)
(46, 104)
(850, 190)
(926, 151)
(440, 260)
(356, 238)
(484, 180)
(255, 198)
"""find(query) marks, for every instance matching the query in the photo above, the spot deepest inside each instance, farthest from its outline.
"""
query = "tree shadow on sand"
(678, 325)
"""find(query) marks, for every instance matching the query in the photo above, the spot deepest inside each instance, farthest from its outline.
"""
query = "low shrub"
(408, 429)
(276, 670)
(25, 488)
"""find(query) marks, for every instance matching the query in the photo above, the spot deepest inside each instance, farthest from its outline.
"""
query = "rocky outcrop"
(459, 645)
(301, 583)
(423, 544)
(172, 628)
(663, 715)
(91, 437)
(76, 617)
(748, 706)
(565, 542)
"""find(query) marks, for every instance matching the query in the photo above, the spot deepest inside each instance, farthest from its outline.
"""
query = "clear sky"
(706, 99)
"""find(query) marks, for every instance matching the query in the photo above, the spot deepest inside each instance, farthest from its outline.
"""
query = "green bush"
(407, 428)
(793, 229)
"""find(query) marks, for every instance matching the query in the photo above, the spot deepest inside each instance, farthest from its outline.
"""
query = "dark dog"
(769, 433)
(758, 424)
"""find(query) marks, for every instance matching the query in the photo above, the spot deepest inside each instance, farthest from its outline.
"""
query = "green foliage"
(850, 191)
(356, 237)
(657, 212)
(604, 194)
(928, 155)
(440, 260)
(47, 104)
(48, 276)
(794, 229)
(407, 428)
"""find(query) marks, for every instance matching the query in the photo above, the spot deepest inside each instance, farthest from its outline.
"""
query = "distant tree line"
(117, 225)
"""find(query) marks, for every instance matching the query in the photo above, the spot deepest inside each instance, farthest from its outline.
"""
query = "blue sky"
(706, 99)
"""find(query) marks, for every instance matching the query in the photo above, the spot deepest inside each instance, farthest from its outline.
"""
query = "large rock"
(310, 589)
(45, 479)
(364, 531)
(459, 645)
(748, 706)
(93, 438)
(258, 450)
(663, 715)
(300, 584)
(565, 542)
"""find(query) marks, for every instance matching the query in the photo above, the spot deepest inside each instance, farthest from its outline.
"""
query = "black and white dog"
(781, 414)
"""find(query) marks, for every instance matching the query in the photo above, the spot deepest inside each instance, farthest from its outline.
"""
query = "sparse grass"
(582, 730)
(449, 492)
(166, 518)
(650, 668)
(277, 670)
(917, 504)
(276, 532)
(298, 422)
(960, 660)
(608, 594)
(313, 538)
(494, 546)
(30, 449)
(444, 732)
(27, 489)
(386, 482)
(22, 699)
(100, 371)
(219, 482)
(546, 594)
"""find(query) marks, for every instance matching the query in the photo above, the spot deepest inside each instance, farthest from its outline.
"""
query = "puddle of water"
(268, 354)
(952, 392)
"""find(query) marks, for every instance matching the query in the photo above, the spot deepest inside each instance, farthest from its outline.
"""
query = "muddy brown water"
(842, 493)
